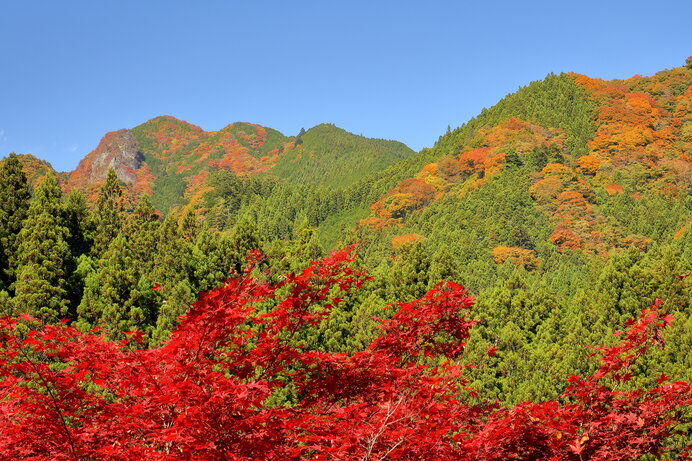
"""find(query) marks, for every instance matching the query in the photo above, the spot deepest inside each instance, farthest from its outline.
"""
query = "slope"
(332, 157)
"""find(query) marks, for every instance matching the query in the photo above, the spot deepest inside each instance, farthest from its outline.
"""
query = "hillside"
(170, 159)
(35, 169)
(335, 158)
(564, 210)
(581, 149)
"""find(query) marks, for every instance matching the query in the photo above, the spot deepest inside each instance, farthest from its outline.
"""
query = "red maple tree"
(210, 391)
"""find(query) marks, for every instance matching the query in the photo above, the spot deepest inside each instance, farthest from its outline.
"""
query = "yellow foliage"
(519, 256)
(589, 164)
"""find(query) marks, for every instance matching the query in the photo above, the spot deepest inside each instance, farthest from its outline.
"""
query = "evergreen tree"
(109, 211)
(115, 296)
(14, 205)
(410, 272)
(512, 159)
(172, 270)
(189, 226)
(299, 138)
(217, 216)
(212, 259)
(80, 223)
(141, 227)
(43, 255)
(224, 184)
(171, 261)
(443, 266)
(244, 238)
(178, 300)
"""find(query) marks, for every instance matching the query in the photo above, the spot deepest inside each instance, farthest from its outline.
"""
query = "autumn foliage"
(211, 391)
(519, 256)
(642, 120)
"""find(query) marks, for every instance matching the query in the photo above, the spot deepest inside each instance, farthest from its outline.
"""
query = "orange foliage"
(473, 160)
(519, 256)
(565, 197)
(638, 241)
(570, 204)
(545, 190)
(377, 223)
(588, 164)
(484, 156)
(401, 240)
(683, 229)
(641, 121)
(566, 239)
(563, 172)
(614, 189)
(411, 194)
(36, 170)
(430, 170)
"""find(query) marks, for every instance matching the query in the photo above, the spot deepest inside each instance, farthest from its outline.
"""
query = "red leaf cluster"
(208, 392)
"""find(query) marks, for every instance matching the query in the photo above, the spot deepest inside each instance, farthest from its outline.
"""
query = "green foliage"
(226, 189)
(555, 101)
(334, 158)
(168, 192)
(109, 211)
(43, 256)
(410, 272)
(14, 205)
(127, 269)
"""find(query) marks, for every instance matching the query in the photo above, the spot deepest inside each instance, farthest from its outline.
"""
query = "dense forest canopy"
(564, 210)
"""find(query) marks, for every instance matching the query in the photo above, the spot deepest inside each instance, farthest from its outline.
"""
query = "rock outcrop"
(117, 149)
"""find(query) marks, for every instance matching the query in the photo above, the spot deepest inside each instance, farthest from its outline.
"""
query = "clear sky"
(70, 71)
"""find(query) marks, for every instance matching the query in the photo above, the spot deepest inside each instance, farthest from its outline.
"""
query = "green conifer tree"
(172, 270)
(140, 228)
(178, 300)
(109, 211)
(212, 260)
(80, 223)
(190, 226)
(245, 237)
(410, 272)
(14, 205)
(112, 299)
(43, 255)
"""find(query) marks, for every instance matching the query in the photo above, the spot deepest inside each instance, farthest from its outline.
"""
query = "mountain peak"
(170, 120)
(117, 150)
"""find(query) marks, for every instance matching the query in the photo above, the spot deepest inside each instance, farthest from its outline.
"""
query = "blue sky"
(70, 71)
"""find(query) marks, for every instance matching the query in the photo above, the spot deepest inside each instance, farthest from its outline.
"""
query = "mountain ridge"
(582, 143)
(563, 209)
(169, 159)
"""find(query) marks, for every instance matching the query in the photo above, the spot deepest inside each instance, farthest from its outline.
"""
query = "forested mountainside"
(170, 160)
(565, 209)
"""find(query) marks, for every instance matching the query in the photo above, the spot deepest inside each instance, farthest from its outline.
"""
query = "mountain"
(583, 151)
(564, 209)
(170, 159)
(35, 169)
(167, 158)
(330, 156)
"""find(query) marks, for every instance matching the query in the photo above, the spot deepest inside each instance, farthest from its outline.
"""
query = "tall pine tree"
(80, 222)
(109, 211)
(14, 205)
(43, 255)
(172, 270)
